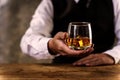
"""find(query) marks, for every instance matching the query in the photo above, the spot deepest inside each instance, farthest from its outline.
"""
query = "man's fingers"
(71, 52)
(94, 60)
(60, 35)
(84, 60)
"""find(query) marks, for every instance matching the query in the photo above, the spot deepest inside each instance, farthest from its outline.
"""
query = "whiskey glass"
(79, 35)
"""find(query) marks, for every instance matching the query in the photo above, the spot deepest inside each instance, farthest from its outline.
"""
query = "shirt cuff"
(42, 49)
(115, 55)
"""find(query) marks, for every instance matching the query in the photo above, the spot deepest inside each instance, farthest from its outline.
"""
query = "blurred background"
(15, 16)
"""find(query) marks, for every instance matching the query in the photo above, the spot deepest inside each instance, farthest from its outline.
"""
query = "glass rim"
(79, 23)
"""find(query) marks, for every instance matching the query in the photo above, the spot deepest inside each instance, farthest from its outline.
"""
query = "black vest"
(99, 13)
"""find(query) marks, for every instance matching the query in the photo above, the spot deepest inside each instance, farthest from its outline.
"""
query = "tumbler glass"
(79, 35)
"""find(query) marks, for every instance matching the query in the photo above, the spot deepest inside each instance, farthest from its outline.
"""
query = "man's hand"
(57, 46)
(95, 59)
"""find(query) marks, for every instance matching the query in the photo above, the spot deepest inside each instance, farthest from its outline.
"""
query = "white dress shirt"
(34, 42)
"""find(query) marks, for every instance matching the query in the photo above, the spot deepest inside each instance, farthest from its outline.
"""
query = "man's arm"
(34, 41)
(115, 51)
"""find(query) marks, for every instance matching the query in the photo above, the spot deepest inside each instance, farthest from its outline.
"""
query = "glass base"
(79, 48)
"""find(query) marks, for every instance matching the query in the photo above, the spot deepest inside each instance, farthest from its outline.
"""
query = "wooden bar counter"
(58, 72)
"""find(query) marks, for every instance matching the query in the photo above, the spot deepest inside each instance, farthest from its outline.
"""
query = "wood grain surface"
(58, 72)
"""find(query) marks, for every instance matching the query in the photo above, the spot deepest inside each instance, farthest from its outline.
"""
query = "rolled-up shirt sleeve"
(34, 41)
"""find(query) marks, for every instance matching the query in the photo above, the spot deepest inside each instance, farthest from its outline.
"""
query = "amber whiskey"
(78, 43)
